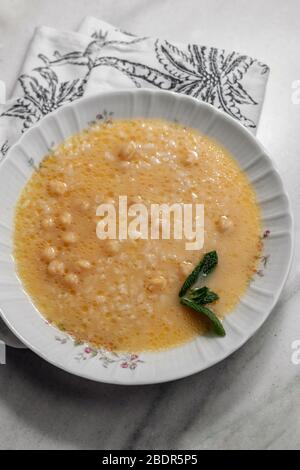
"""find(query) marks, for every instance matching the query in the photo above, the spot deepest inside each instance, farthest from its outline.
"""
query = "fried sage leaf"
(203, 295)
(217, 325)
(205, 267)
(197, 297)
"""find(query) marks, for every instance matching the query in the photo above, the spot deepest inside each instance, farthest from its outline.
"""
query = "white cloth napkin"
(62, 66)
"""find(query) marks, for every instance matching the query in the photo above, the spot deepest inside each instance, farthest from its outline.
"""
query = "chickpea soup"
(122, 294)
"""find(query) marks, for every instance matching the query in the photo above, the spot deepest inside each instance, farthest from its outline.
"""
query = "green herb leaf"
(217, 325)
(210, 297)
(202, 295)
(205, 267)
(197, 297)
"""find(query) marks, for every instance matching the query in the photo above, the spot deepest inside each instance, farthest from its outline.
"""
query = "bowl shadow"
(63, 411)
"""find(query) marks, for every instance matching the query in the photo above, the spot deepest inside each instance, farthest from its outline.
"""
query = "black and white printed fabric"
(63, 66)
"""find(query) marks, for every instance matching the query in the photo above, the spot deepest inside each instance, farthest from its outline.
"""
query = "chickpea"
(49, 253)
(186, 267)
(136, 199)
(83, 205)
(69, 238)
(123, 289)
(140, 298)
(100, 299)
(65, 218)
(112, 247)
(84, 264)
(192, 157)
(148, 147)
(172, 143)
(72, 279)
(56, 267)
(57, 188)
(125, 164)
(224, 224)
(148, 308)
(48, 223)
(46, 208)
(127, 152)
(156, 284)
(109, 156)
(69, 170)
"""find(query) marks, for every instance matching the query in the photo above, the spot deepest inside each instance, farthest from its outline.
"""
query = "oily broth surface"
(123, 295)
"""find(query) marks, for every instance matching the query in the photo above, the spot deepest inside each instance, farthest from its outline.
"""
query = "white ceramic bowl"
(255, 306)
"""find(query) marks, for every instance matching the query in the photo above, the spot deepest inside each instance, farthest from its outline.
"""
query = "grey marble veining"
(250, 400)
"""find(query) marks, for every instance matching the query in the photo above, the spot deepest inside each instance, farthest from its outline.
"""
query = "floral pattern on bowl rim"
(125, 360)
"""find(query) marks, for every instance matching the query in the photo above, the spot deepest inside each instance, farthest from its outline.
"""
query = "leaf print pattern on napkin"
(208, 74)
(204, 73)
(3, 150)
(42, 94)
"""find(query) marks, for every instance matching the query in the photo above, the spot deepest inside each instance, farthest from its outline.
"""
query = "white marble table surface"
(250, 400)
